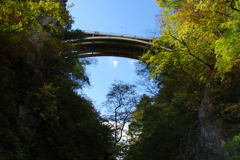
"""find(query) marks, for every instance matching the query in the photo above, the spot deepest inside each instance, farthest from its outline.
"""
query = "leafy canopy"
(25, 16)
(203, 35)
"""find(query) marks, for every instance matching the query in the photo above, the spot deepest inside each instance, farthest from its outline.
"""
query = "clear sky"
(130, 17)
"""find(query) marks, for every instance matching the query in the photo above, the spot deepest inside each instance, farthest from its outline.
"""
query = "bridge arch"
(96, 44)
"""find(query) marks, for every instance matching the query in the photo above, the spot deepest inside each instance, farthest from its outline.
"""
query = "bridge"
(108, 44)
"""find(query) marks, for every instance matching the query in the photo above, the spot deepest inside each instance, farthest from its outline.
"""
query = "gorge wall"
(26, 109)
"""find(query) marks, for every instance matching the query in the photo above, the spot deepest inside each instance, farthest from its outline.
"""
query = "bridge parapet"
(108, 34)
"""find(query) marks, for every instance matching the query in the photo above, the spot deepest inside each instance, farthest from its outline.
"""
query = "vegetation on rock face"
(42, 116)
(195, 64)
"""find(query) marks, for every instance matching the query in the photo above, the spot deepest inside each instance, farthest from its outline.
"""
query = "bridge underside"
(118, 50)
(111, 46)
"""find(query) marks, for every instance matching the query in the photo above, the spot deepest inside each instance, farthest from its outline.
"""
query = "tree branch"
(232, 6)
(190, 53)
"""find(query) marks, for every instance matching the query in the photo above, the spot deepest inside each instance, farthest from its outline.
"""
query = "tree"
(196, 35)
(42, 115)
(121, 100)
(28, 16)
(192, 59)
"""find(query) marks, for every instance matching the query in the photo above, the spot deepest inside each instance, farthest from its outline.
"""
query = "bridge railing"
(116, 34)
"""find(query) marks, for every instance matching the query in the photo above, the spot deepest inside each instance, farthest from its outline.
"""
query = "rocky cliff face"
(26, 114)
(209, 138)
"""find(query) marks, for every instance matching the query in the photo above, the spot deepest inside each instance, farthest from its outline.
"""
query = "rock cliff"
(26, 114)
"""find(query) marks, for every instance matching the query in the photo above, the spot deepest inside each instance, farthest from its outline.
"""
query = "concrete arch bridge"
(96, 44)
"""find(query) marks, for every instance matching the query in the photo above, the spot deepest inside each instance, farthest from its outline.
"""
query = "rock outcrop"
(26, 114)
(209, 139)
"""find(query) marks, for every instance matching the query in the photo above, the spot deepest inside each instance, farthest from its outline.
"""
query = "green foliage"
(73, 34)
(198, 47)
(78, 134)
(158, 130)
(39, 80)
(233, 148)
(47, 104)
(24, 16)
(199, 40)
(196, 35)
(12, 140)
(71, 128)
(13, 145)
(61, 64)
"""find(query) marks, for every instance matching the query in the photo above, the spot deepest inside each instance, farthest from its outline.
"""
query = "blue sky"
(130, 17)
